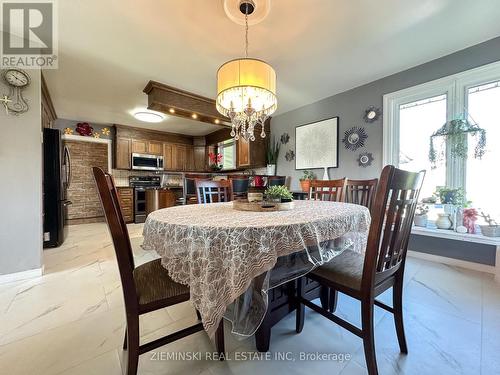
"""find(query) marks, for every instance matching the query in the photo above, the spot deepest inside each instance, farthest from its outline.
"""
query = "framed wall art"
(317, 144)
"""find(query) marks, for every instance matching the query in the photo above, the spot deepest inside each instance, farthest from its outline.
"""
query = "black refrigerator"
(56, 180)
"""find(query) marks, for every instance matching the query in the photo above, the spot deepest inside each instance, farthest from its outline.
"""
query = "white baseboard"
(453, 262)
(21, 275)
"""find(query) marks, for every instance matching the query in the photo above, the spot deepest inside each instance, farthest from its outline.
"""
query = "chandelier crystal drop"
(246, 90)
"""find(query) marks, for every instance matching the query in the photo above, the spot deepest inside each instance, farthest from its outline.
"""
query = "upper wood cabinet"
(123, 150)
(200, 158)
(168, 156)
(243, 153)
(155, 148)
(139, 146)
(251, 154)
(179, 157)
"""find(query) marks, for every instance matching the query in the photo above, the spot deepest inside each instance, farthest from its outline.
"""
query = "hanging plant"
(455, 135)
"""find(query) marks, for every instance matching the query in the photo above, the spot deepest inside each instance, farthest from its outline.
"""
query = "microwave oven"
(147, 162)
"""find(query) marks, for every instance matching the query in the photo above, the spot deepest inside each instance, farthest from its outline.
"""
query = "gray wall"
(350, 105)
(21, 184)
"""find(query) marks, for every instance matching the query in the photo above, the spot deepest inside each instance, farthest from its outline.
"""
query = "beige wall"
(21, 184)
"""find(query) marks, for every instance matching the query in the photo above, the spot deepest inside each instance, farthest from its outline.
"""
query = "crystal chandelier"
(246, 89)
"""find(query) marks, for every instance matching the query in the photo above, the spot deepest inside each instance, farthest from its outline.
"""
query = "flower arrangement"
(470, 217)
(421, 210)
(279, 192)
(84, 129)
(215, 161)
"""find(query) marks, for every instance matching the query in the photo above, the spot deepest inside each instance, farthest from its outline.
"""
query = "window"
(228, 151)
(483, 103)
(413, 114)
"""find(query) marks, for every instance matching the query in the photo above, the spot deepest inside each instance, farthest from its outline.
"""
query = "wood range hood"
(176, 102)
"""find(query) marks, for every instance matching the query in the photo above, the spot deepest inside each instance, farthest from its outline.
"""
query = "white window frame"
(455, 87)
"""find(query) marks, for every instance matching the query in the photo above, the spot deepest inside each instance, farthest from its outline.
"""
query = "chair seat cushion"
(153, 283)
(345, 269)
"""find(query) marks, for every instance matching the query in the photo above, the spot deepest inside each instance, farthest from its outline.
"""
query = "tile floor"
(71, 321)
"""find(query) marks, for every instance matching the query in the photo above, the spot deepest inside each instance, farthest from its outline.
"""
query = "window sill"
(451, 235)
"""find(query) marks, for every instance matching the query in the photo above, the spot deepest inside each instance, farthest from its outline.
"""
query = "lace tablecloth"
(218, 251)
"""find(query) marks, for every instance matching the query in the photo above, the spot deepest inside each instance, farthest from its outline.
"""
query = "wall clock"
(17, 80)
(354, 138)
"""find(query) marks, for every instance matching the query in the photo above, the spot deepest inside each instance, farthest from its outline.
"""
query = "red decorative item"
(258, 181)
(215, 160)
(84, 128)
(470, 217)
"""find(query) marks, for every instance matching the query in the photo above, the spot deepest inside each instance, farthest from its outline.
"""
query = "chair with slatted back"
(146, 288)
(239, 186)
(358, 192)
(327, 190)
(382, 267)
(276, 181)
(213, 191)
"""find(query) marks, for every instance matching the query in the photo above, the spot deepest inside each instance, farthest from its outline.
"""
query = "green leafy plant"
(455, 134)
(272, 151)
(455, 197)
(278, 192)
(308, 175)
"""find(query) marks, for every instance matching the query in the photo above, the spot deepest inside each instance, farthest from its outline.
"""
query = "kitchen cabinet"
(189, 164)
(126, 198)
(155, 148)
(139, 146)
(179, 157)
(167, 198)
(251, 154)
(167, 156)
(123, 150)
(200, 158)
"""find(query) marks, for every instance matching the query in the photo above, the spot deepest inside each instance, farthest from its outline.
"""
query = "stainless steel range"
(140, 185)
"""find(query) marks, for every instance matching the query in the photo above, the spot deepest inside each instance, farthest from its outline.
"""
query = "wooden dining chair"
(213, 191)
(276, 181)
(190, 196)
(327, 190)
(382, 267)
(146, 288)
(358, 192)
(239, 187)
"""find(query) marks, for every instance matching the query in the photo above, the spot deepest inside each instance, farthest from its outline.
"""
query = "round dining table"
(226, 256)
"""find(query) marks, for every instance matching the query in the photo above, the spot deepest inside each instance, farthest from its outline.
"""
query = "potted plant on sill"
(279, 194)
(272, 153)
(420, 219)
(305, 181)
(492, 229)
(215, 161)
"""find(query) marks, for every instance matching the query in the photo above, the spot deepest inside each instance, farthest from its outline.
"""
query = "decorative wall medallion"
(372, 114)
(284, 138)
(290, 155)
(84, 129)
(105, 131)
(68, 131)
(365, 159)
(354, 138)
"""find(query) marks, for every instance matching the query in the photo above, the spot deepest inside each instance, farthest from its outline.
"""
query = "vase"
(470, 224)
(490, 230)
(305, 185)
(271, 169)
(451, 210)
(443, 221)
(420, 220)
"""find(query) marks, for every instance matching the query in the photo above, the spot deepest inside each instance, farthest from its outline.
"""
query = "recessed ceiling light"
(148, 116)
(194, 115)
(171, 110)
(216, 121)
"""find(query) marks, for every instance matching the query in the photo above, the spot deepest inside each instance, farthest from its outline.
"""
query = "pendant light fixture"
(246, 89)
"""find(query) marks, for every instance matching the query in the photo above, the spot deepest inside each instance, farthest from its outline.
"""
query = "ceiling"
(109, 50)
